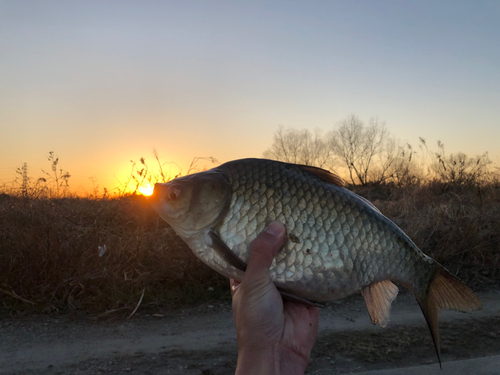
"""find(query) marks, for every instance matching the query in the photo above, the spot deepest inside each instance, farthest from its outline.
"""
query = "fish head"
(193, 203)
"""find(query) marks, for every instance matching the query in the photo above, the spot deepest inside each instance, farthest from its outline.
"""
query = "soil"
(202, 340)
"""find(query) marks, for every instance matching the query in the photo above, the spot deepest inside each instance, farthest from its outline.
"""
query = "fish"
(337, 242)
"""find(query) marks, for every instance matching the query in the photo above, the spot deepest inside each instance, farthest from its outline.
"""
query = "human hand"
(274, 336)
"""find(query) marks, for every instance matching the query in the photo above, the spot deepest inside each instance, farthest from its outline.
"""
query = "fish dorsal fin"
(325, 175)
(378, 298)
(333, 178)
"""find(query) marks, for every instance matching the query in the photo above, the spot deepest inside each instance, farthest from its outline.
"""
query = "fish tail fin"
(446, 292)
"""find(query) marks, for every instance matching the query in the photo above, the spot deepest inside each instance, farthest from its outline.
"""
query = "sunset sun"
(146, 190)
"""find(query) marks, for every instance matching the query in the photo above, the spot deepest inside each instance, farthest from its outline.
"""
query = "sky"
(101, 83)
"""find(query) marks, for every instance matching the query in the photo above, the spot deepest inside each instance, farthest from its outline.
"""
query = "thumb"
(262, 251)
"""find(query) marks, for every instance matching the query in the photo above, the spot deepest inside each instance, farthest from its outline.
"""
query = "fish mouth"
(154, 199)
(194, 202)
(164, 195)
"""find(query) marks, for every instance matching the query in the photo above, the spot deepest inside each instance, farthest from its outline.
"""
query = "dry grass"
(49, 248)
(50, 256)
(459, 226)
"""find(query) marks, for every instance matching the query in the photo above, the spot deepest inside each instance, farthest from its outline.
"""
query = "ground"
(202, 340)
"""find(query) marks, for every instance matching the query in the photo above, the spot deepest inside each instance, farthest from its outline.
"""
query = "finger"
(262, 251)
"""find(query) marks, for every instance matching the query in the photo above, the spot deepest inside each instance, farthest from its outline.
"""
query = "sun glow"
(146, 190)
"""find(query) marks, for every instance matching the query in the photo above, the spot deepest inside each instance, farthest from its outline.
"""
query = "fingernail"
(275, 229)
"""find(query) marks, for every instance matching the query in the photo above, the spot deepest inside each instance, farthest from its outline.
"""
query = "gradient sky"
(104, 82)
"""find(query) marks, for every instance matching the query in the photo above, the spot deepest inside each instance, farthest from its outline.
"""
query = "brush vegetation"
(103, 254)
(108, 254)
(95, 254)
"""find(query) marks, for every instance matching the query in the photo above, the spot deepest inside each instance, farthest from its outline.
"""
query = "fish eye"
(173, 193)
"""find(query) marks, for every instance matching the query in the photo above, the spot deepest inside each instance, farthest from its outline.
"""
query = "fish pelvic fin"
(378, 298)
(293, 298)
(445, 292)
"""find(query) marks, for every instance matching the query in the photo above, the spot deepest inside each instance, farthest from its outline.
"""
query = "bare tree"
(367, 152)
(460, 169)
(299, 147)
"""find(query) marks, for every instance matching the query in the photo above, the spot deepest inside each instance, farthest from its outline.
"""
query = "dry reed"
(102, 255)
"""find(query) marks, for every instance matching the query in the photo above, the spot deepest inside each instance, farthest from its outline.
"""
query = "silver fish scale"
(336, 243)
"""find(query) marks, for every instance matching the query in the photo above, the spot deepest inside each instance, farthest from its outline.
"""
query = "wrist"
(292, 362)
(257, 361)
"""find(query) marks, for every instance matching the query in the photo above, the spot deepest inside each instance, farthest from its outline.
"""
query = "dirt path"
(202, 340)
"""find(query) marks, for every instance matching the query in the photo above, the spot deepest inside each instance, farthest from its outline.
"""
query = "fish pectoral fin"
(213, 240)
(290, 297)
(378, 298)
